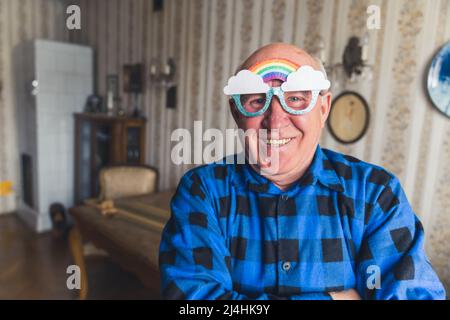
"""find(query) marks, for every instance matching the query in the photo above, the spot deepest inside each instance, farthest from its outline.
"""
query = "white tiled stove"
(65, 79)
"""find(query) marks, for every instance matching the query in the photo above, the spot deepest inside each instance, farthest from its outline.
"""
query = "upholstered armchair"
(125, 181)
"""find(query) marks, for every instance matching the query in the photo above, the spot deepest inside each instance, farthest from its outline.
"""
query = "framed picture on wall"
(133, 78)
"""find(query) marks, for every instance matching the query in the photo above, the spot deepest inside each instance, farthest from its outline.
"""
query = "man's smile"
(278, 142)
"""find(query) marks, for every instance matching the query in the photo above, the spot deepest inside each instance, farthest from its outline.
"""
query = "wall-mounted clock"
(349, 117)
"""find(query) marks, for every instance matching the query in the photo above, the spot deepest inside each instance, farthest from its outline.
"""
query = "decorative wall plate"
(438, 83)
(349, 117)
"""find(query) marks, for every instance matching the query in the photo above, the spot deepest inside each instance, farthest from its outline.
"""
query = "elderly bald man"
(298, 222)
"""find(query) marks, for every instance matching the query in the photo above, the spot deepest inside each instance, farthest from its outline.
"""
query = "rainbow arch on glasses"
(274, 69)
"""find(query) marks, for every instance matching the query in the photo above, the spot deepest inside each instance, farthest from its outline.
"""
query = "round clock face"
(349, 117)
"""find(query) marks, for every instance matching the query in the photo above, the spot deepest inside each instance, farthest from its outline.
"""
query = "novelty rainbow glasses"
(298, 94)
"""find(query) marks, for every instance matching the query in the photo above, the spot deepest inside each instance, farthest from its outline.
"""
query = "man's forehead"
(278, 67)
(286, 52)
(274, 69)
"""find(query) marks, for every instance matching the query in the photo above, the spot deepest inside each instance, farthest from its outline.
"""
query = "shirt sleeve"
(392, 264)
(194, 259)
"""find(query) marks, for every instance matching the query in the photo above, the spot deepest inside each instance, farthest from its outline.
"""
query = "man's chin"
(270, 168)
(268, 171)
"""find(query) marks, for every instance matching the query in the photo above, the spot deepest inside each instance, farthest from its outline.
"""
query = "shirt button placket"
(285, 265)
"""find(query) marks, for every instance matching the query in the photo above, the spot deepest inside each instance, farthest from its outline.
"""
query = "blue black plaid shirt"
(234, 235)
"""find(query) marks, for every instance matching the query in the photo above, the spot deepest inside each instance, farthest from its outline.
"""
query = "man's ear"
(234, 112)
(325, 107)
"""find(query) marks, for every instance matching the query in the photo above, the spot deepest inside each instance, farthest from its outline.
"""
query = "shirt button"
(286, 266)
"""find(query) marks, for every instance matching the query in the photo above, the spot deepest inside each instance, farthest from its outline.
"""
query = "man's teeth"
(277, 142)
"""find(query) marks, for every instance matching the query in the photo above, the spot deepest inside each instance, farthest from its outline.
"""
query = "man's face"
(301, 133)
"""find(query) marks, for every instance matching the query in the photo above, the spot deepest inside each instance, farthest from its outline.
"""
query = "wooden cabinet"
(100, 141)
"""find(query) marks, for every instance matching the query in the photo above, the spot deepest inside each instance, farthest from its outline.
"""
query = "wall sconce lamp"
(162, 75)
(354, 66)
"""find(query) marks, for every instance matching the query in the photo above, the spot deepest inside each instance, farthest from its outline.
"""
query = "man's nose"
(275, 117)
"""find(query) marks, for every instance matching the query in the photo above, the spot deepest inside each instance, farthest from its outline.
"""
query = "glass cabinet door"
(103, 146)
(133, 145)
(84, 161)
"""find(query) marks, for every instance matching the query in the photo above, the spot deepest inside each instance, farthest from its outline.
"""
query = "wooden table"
(131, 234)
(151, 210)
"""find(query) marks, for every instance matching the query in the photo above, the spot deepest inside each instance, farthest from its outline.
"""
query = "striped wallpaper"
(208, 39)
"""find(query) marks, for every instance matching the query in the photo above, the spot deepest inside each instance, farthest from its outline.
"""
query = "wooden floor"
(34, 267)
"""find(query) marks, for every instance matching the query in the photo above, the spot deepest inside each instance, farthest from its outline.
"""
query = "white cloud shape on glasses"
(305, 79)
(245, 82)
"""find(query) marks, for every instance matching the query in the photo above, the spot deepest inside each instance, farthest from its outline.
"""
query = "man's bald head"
(280, 51)
(283, 51)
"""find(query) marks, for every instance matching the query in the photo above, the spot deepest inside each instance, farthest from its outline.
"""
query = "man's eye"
(295, 99)
(258, 101)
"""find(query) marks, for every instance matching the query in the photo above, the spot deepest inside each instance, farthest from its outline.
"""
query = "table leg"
(76, 246)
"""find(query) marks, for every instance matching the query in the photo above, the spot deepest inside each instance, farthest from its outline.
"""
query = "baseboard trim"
(39, 222)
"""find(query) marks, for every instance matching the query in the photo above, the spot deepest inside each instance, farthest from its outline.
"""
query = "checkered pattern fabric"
(234, 235)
